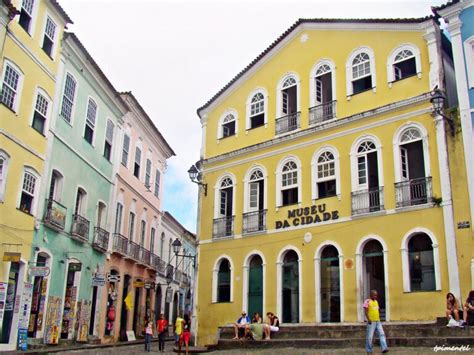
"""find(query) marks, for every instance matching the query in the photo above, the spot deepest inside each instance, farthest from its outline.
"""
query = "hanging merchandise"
(83, 320)
(53, 319)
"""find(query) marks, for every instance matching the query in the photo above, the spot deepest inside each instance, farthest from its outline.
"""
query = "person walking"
(148, 334)
(178, 329)
(162, 327)
(371, 310)
(186, 334)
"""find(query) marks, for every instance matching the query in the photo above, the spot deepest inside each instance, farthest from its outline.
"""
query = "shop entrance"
(93, 309)
(38, 300)
(70, 299)
(175, 307)
(158, 302)
(124, 310)
(255, 294)
(290, 288)
(374, 273)
(9, 305)
(330, 285)
(136, 313)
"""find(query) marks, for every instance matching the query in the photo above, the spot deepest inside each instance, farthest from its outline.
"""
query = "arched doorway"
(137, 328)
(255, 291)
(38, 299)
(124, 309)
(157, 302)
(330, 294)
(374, 272)
(290, 288)
(175, 307)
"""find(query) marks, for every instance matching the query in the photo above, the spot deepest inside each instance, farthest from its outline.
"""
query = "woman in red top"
(162, 326)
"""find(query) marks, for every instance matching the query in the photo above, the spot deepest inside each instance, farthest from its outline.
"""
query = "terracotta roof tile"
(441, 7)
(61, 11)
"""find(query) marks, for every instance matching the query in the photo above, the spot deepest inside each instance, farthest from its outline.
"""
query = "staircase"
(352, 335)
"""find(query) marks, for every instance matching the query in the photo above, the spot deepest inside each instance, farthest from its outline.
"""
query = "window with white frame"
(421, 263)
(138, 160)
(323, 85)
(162, 245)
(289, 183)
(80, 206)
(109, 139)
(148, 173)
(157, 183)
(289, 92)
(326, 175)
(26, 15)
(118, 218)
(28, 191)
(256, 186)
(224, 281)
(55, 186)
(4, 159)
(41, 113)
(228, 126)
(101, 210)
(152, 240)
(142, 234)
(361, 73)
(131, 225)
(11, 84)
(366, 159)
(226, 196)
(69, 95)
(257, 110)
(404, 64)
(125, 149)
(49, 36)
(90, 120)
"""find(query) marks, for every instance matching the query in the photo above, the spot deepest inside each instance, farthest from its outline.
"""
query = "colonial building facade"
(327, 175)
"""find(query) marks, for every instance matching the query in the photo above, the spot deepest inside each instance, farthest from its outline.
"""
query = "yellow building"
(326, 175)
(29, 66)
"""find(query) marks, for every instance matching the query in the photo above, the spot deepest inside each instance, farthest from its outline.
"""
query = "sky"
(174, 55)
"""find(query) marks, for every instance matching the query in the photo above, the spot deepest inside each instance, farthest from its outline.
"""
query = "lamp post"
(438, 100)
(195, 176)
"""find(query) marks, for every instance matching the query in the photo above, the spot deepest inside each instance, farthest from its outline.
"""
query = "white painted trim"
(314, 172)
(217, 188)
(317, 278)
(34, 18)
(349, 76)
(42, 92)
(360, 275)
(6, 162)
(278, 174)
(248, 104)
(391, 59)
(220, 132)
(279, 283)
(71, 122)
(245, 281)
(19, 89)
(279, 89)
(472, 274)
(215, 273)
(34, 204)
(77, 284)
(405, 262)
(312, 76)
(354, 155)
(56, 38)
(246, 181)
(469, 55)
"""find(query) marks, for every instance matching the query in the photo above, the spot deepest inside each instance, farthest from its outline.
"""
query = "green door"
(290, 288)
(255, 295)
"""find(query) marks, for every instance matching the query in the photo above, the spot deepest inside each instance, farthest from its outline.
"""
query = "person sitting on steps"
(452, 311)
(469, 309)
(273, 325)
(239, 326)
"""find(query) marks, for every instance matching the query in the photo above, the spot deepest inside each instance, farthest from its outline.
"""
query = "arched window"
(403, 62)
(224, 221)
(322, 93)
(91, 116)
(101, 214)
(162, 245)
(12, 80)
(289, 183)
(364, 152)
(224, 281)
(4, 160)
(360, 71)
(326, 175)
(55, 187)
(288, 105)
(421, 262)
(29, 191)
(80, 206)
(254, 216)
(42, 107)
(170, 247)
(69, 96)
(257, 111)
(228, 126)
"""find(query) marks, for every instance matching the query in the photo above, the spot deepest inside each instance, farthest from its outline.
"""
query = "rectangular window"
(11, 81)
(109, 138)
(289, 196)
(79, 202)
(362, 170)
(136, 166)
(68, 98)
(26, 15)
(142, 234)
(49, 35)
(228, 129)
(131, 226)
(223, 202)
(157, 183)
(90, 121)
(3, 175)
(404, 162)
(362, 84)
(254, 194)
(405, 69)
(148, 173)
(125, 149)
(152, 240)
(326, 188)
(118, 218)
(28, 192)
(41, 112)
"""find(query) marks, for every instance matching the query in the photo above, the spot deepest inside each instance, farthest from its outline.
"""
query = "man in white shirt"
(239, 326)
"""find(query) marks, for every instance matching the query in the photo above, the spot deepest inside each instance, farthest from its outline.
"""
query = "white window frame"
(3, 182)
(110, 141)
(140, 147)
(157, 183)
(40, 91)
(354, 155)
(314, 171)
(349, 77)
(34, 12)
(86, 121)
(73, 105)
(82, 210)
(128, 134)
(405, 260)
(469, 60)
(220, 131)
(101, 207)
(118, 217)
(247, 182)
(249, 107)
(131, 231)
(391, 61)
(312, 80)
(217, 188)
(148, 172)
(215, 275)
(56, 35)
(58, 188)
(279, 96)
(34, 203)
(279, 174)
(18, 91)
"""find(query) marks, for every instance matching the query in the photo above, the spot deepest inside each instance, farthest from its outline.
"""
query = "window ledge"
(9, 108)
(390, 83)
(420, 291)
(27, 213)
(253, 234)
(369, 214)
(42, 134)
(415, 207)
(215, 302)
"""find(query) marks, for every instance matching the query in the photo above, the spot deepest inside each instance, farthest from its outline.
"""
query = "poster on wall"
(25, 304)
(3, 297)
(53, 319)
(83, 320)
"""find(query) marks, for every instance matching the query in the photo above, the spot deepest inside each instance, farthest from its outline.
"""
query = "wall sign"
(12, 257)
(307, 215)
(38, 271)
(113, 278)
(464, 225)
(98, 280)
(131, 335)
(75, 267)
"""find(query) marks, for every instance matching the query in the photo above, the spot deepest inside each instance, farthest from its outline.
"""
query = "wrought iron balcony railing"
(154, 261)
(169, 272)
(414, 192)
(288, 123)
(80, 228)
(161, 267)
(255, 221)
(323, 112)
(120, 244)
(145, 256)
(366, 201)
(133, 250)
(101, 239)
(55, 215)
(223, 227)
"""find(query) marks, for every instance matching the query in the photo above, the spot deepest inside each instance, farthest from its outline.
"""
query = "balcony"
(133, 251)
(288, 123)
(145, 256)
(120, 244)
(323, 112)
(178, 276)
(367, 201)
(101, 239)
(169, 272)
(80, 228)
(154, 261)
(255, 221)
(161, 267)
(55, 216)
(223, 227)
(414, 192)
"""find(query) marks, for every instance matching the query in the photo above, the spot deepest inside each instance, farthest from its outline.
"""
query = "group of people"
(256, 329)
(182, 330)
(454, 313)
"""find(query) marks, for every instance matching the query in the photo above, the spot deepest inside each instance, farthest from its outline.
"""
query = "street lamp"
(196, 177)
(437, 100)
(176, 246)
